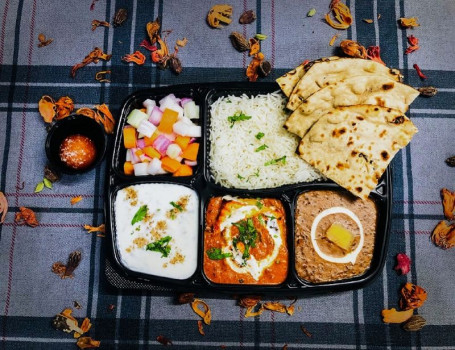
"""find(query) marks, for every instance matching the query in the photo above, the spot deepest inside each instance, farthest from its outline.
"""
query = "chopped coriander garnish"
(239, 116)
(177, 206)
(259, 204)
(261, 220)
(275, 161)
(240, 177)
(162, 246)
(261, 148)
(216, 254)
(247, 235)
(259, 135)
(140, 214)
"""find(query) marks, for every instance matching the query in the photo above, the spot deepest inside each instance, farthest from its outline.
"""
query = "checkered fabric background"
(30, 295)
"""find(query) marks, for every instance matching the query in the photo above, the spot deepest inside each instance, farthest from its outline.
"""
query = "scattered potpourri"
(353, 49)
(43, 41)
(97, 23)
(419, 71)
(403, 264)
(77, 305)
(45, 183)
(87, 343)
(200, 327)
(219, 15)
(305, 331)
(120, 16)
(414, 42)
(341, 14)
(93, 57)
(443, 234)
(136, 57)
(412, 296)
(92, 5)
(394, 316)
(334, 38)
(254, 307)
(66, 271)
(204, 313)
(374, 54)
(411, 22)
(448, 203)
(451, 160)
(65, 322)
(163, 340)
(50, 109)
(75, 200)
(428, 91)
(185, 298)
(414, 324)
(3, 207)
(247, 17)
(101, 76)
(368, 20)
(92, 229)
(27, 217)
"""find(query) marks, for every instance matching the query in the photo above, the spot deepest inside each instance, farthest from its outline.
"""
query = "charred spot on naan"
(385, 155)
(338, 132)
(398, 119)
(379, 102)
(388, 86)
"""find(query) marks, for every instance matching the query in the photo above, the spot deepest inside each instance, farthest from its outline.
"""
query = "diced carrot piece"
(182, 141)
(128, 168)
(129, 137)
(151, 152)
(167, 121)
(190, 152)
(149, 140)
(170, 165)
(143, 110)
(139, 153)
(184, 170)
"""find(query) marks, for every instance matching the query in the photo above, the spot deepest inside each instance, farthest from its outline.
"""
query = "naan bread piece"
(329, 72)
(289, 80)
(353, 145)
(368, 89)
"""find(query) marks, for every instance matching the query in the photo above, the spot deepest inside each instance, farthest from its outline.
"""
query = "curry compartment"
(202, 185)
(135, 101)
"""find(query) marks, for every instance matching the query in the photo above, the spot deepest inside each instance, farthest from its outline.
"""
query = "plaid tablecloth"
(30, 294)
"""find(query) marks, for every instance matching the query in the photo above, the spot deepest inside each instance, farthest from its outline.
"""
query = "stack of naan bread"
(349, 113)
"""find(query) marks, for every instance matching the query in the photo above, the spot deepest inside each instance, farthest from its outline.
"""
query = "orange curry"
(245, 241)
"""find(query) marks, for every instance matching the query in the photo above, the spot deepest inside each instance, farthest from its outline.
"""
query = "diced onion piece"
(149, 104)
(155, 116)
(172, 105)
(145, 158)
(146, 128)
(171, 98)
(161, 143)
(140, 169)
(179, 158)
(185, 100)
(191, 110)
(191, 162)
(173, 151)
(136, 117)
(140, 143)
(134, 158)
(184, 129)
(154, 167)
(128, 155)
(140, 136)
(171, 136)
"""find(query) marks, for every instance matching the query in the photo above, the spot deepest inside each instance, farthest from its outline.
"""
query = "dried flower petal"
(394, 316)
(91, 229)
(66, 271)
(247, 17)
(65, 322)
(200, 327)
(367, 20)
(205, 314)
(94, 56)
(353, 49)
(64, 106)
(147, 45)
(75, 200)
(305, 331)
(182, 42)
(249, 300)
(451, 160)
(218, 15)
(252, 71)
(101, 76)
(444, 235)
(185, 298)
(334, 38)
(3, 207)
(136, 57)
(26, 216)
(374, 54)
(153, 29)
(43, 41)
(409, 22)
(255, 46)
(250, 311)
(121, 15)
(448, 203)
(163, 340)
(341, 14)
(96, 23)
(413, 296)
(419, 71)
(87, 343)
(411, 49)
(428, 91)
(414, 324)
(275, 306)
(403, 264)
(47, 108)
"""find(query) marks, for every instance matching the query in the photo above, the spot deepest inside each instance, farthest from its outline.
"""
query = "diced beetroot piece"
(161, 144)
(155, 116)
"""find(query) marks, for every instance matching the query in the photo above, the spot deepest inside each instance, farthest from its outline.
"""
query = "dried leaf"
(260, 36)
(200, 327)
(255, 46)
(264, 68)
(75, 200)
(101, 76)
(77, 305)
(394, 316)
(249, 300)
(409, 22)
(66, 271)
(153, 29)
(444, 235)
(403, 264)
(419, 71)
(47, 108)
(413, 296)
(428, 91)
(66, 323)
(247, 17)
(91, 229)
(353, 49)
(26, 216)
(219, 15)
(448, 203)
(163, 340)
(47, 183)
(341, 14)
(275, 306)
(414, 324)
(3, 207)
(87, 343)
(96, 23)
(43, 41)
(175, 65)
(205, 313)
(250, 311)
(121, 15)
(94, 56)
(136, 57)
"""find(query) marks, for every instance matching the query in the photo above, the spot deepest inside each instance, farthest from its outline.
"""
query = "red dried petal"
(419, 71)
(403, 264)
(412, 40)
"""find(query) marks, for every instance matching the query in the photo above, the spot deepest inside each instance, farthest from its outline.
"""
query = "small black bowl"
(72, 125)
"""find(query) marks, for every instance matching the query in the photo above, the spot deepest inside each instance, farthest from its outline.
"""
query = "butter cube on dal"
(340, 236)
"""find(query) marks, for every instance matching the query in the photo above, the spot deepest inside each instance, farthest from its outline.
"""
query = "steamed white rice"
(234, 161)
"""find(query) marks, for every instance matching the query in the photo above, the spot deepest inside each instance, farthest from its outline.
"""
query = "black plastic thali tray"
(203, 183)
